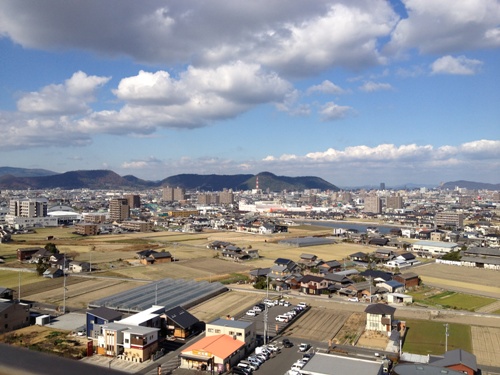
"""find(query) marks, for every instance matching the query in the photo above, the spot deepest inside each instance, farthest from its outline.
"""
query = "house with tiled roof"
(218, 353)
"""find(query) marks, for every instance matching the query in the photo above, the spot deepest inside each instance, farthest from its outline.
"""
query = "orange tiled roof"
(219, 345)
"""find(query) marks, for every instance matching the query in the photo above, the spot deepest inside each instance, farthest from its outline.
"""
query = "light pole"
(446, 337)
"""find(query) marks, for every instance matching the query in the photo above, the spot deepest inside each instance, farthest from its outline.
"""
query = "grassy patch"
(232, 278)
(496, 312)
(428, 337)
(451, 300)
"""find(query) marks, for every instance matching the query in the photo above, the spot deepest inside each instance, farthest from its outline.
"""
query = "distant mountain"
(470, 185)
(25, 172)
(105, 179)
(246, 182)
(97, 179)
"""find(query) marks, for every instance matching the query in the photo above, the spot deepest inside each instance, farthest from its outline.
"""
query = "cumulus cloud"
(455, 65)
(297, 38)
(326, 87)
(448, 26)
(371, 86)
(331, 111)
(71, 97)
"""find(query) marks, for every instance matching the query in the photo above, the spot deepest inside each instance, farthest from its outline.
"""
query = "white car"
(302, 305)
(273, 347)
(282, 318)
(251, 313)
(353, 299)
(304, 347)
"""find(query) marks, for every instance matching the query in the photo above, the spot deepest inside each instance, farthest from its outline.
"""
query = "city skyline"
(354, 92)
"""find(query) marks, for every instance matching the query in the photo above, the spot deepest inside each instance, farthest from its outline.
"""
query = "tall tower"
(257, 183)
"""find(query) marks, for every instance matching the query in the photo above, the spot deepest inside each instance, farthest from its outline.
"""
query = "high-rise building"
(179, 194)
(226, 197)
(134, 200)
(395, 202)
(373, 204)
(168, 194)
(119, 209)
(28, 207)
(382, 186)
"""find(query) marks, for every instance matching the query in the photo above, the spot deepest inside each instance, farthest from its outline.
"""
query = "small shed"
(42, 320)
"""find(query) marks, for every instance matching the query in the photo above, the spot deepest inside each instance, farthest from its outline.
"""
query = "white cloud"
(446, 26)
(455, 65)
(299, 38)
(371, 86)
(326, 87)
(331, 111)
(71, 97)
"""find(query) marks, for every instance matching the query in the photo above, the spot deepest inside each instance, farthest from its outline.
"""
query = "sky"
(357, 92)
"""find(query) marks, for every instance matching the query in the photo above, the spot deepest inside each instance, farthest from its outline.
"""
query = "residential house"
(128, 342)
(392, 286)
(408, 279)
(359, 257)
(180, 323)
(331, 364)
(13, 315)
(457, 360)
(77, 266)
(27, 253)
(329, 266)
(282, 268)
(311, 284)
(6, 293)
(237, 329)
(378, 241)
(99, 317)
(52, 273)
(379, 317)
(376, 276)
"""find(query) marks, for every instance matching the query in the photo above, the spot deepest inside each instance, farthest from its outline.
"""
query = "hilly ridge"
(106, 179)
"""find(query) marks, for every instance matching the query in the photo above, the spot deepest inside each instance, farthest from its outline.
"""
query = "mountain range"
(20, 179)
(24, 178)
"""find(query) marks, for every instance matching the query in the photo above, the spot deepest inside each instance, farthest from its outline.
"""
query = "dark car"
(287, 343)
(240, 371)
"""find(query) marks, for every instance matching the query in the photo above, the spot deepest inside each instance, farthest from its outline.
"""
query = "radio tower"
(257, 183)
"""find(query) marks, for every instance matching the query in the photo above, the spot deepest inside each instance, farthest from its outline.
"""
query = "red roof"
(221, 346)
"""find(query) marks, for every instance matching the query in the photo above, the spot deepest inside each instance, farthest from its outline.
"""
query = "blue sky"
(355, 91)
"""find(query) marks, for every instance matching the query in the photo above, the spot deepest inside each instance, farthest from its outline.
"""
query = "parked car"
(287, 343)
(282, 318)
(245, 363)
(353, 299)
(245, 366)
(259, 307)
(241, 371)
(304, 347)
(302, 304)
(251, 313)
(273, 347)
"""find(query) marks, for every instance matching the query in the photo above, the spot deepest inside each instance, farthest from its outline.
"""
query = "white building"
(434, 248)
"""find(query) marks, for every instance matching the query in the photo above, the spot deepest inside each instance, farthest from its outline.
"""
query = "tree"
(41, 267)
(52, 248)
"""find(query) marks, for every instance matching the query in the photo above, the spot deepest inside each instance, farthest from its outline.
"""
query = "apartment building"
(373, 204)
(28, 207)
(119, 209)
(449, 219)
(227, 197)
(134, 200)
(87, 229)
(138, 225)
(395, 202)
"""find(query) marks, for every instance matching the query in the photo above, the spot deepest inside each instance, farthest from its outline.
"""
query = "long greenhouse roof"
(166, 292)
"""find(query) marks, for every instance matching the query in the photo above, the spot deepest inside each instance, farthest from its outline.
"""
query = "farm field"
(461, 279)
(428, 337)
(450, 299)
(486, 345)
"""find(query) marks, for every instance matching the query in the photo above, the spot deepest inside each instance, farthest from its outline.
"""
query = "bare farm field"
(319, 324)
(230, 303)
(486, 345)
(462, 279)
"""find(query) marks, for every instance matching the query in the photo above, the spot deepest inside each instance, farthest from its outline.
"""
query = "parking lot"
(274, 327)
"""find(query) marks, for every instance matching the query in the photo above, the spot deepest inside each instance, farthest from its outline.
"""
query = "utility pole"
(446, 337)
(19, 288)
(64, 283)
(265, 310)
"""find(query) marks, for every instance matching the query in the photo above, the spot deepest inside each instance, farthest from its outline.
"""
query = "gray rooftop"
(169, 293)
(328, 364)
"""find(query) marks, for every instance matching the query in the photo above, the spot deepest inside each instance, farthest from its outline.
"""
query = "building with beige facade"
(119, 210)
(87, 229)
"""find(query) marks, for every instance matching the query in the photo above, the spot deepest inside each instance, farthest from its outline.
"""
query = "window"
(217, 331)
(6, 316)
(126, 341)
(211, 330)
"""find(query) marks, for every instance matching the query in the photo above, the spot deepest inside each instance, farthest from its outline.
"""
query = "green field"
(10, 279)
(452, 300)
(428, 337)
